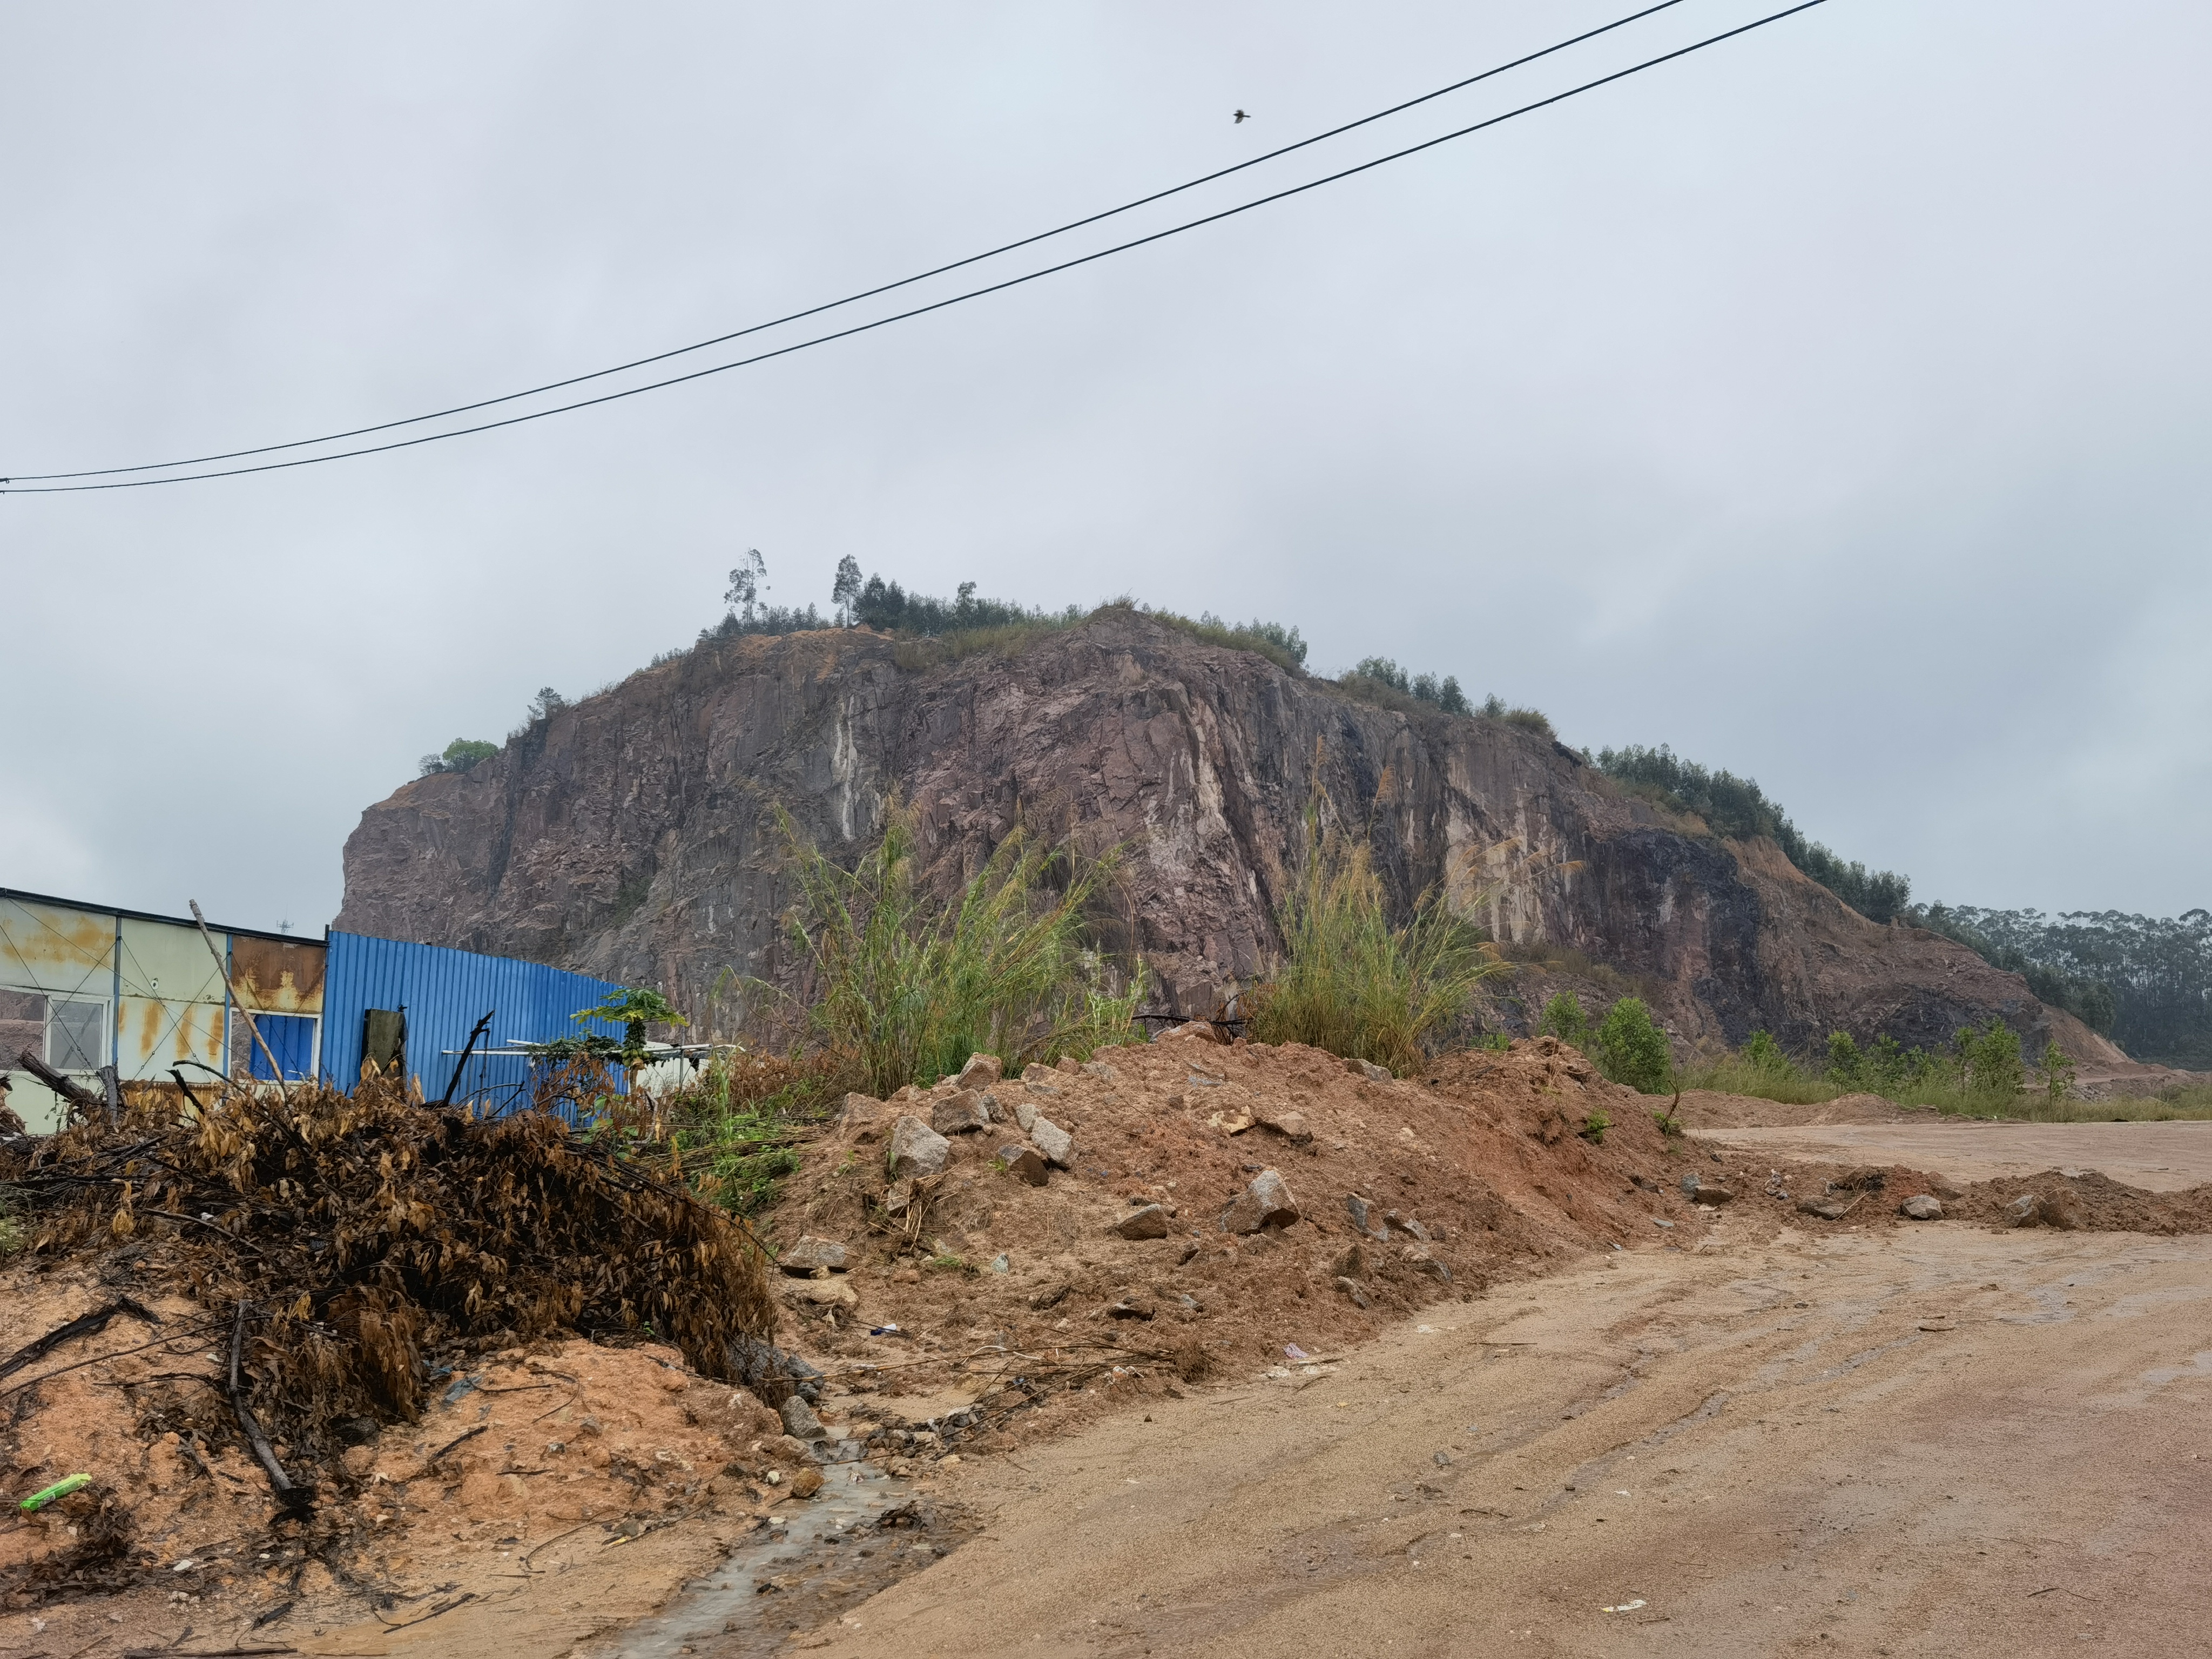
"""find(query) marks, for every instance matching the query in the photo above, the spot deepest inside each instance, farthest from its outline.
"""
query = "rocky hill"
(635, 834)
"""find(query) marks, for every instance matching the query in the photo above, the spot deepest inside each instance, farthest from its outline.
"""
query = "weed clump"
(1351, 983)
(906, 989)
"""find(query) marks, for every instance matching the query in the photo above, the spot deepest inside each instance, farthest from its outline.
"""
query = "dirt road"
(1944, 1440)
(2159, 1158)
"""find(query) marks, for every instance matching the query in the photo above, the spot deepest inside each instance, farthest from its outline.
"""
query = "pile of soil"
(1704, 1109)
(984, 1287)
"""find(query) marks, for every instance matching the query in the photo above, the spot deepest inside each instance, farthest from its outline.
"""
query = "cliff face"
(633, 835)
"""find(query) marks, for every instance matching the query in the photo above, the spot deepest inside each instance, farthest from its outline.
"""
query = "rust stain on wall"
(278, 976)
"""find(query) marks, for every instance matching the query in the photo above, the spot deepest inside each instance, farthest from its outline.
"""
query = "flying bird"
(1241, 116)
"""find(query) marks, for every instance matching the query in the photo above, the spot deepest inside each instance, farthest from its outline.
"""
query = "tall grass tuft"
(1351, 983)
(909, 988)
(1760, 1069)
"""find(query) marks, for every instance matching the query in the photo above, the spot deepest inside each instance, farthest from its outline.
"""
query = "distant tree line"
(2145, 982)
(1738, 808)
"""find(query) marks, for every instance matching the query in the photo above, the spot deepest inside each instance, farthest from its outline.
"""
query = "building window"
(75, 1037)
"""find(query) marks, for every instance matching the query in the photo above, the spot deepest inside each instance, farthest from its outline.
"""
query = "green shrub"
(2057, 1073)
(1595, 1124)
(1564, 1018)
(909, 988)
(1351, 983)
(1989, 1059)
(1631, 1049)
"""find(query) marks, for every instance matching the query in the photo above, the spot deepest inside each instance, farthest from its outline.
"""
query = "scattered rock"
(897, 1196)
(1288, 1124)
(806, 1482)
(812, 1253)
(1921, 1208)
(1942, 1187)
(1698, 1190)
(1150, 1222)
(1025, 1117)
(1132, 1306)
(1368, 1069)
(1001, 1263)
(961, 1114)
(1422, 1262)
(2044, 1210)
(799, 1421)
(359, 1461)
(821, 1292)
(1351, 1264)
(916, 1149)
(1407, 1225)
(1024, 1163)
(1068, 1063)
(1054, 1142)
(1100, 1068)
(1828, 1209)
(980, 1071)
(1193, 1028)
(1350, 1286)
(862, 1116)
(1367, 1216)
(1265, 1203)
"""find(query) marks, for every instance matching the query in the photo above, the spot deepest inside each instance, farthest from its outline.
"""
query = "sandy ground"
(2159, 1158)
(1944, 1440)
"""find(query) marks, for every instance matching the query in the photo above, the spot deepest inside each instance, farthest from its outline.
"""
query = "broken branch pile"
(370, 1243)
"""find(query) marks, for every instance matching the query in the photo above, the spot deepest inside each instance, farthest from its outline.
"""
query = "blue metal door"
(291, 1038)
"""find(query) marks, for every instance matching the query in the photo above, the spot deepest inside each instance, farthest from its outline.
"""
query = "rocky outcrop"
(642, 834)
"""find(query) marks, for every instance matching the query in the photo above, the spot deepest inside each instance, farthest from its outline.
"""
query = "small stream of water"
(717, 1612)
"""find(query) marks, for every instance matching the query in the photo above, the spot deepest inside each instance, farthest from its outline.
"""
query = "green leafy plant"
(633, 1008)
(1563, 1018)
(1669, 1125)
(1631, 1049)
(1352, 983)
(1595, 1124)
(731, 1133)
(2057, 1073)
(459, 756)
(950, 1263)
(909, 987)
(1989, 1059)
(1493, 1042)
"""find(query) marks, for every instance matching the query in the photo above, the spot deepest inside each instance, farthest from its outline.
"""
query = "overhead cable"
(865, 294)
(11, 486)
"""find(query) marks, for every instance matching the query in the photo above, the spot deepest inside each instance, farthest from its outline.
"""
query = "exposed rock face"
(633, 835)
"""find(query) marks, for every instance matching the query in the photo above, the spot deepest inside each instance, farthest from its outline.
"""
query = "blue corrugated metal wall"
(444, 993)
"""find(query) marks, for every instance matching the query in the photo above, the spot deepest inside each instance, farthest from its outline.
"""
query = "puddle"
(797, 1574)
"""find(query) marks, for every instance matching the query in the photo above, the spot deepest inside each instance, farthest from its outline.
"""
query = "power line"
(8, 487)
(865, 294)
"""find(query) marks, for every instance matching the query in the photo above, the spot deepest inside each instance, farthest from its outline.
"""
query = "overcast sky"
(1833, 405)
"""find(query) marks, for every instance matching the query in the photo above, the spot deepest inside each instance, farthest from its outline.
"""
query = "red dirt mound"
(1404, 1191)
